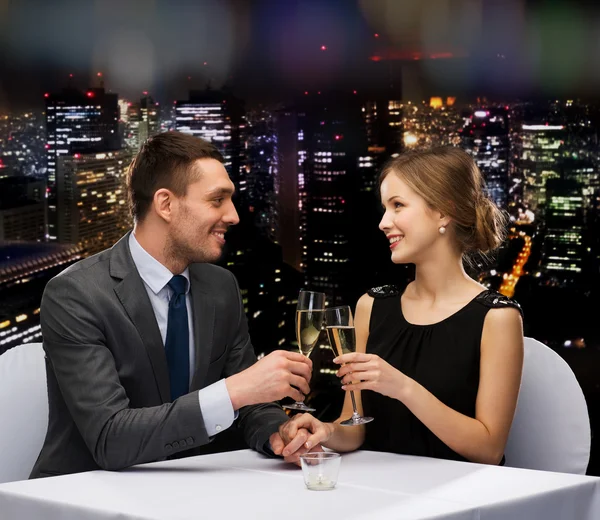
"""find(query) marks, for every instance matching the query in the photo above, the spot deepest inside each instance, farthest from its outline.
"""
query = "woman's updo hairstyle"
(451, 183)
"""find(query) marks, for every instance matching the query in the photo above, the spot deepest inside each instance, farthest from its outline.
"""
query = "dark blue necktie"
(177, 344)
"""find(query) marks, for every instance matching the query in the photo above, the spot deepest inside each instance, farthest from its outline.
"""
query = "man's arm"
(116, 435)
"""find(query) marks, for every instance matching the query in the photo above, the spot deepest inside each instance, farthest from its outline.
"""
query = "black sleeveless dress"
(443, 357)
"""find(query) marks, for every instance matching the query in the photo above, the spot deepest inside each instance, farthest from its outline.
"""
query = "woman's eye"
(398, 205)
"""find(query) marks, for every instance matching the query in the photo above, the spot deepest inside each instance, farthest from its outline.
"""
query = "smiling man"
(148, 353)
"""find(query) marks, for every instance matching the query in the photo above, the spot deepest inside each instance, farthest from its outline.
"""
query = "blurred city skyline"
(266, 50)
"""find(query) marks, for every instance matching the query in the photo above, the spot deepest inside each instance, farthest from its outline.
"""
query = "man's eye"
(218, 201)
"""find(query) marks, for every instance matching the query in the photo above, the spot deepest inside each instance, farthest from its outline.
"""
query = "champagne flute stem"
(353, 403)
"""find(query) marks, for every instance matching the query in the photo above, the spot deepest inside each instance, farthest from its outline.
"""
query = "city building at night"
(77, 122)
(539, 158)
(217, 116)
(563, 241)
(486, 138)
(92, 199)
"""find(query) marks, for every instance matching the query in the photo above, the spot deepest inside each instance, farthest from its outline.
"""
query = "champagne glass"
(309, 321)
(342, 338)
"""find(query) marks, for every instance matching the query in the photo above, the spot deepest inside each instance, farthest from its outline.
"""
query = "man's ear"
(163, 204)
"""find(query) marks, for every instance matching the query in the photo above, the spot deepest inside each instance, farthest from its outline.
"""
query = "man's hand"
(299, 435)
(271, 379)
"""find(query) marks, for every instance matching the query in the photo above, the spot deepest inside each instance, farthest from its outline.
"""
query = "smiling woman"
(439, 360)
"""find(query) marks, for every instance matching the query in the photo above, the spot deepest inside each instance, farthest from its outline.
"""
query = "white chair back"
(23, 410)
(551, 428)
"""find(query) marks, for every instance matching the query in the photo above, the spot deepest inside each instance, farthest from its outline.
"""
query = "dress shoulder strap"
(384, 291)
(495, 300)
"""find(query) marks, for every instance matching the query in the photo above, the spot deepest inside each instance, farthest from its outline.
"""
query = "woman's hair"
(451, 183)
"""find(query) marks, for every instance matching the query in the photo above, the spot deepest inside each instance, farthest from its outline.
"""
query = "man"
(147, 346)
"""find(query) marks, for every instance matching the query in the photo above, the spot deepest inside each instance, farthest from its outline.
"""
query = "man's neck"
(155, 244)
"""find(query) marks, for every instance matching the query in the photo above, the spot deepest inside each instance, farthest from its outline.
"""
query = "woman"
(439, 360)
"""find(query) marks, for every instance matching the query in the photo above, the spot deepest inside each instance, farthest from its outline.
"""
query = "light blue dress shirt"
(215, 403)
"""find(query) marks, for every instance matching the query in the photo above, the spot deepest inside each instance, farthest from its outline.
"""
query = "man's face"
(203, 215)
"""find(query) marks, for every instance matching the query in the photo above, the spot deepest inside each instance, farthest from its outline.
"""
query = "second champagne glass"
(309, 321)
(342, 338)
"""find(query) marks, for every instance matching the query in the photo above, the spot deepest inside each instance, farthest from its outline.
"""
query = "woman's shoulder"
(495, 300)
(384, 291)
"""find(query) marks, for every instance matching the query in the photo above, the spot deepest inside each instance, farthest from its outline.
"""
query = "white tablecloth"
(246, 485)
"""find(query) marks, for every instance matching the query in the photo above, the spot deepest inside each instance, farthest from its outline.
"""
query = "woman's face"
(410, 225)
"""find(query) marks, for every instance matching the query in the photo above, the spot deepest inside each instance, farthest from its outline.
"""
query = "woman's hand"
(299, 435)
(370, 372)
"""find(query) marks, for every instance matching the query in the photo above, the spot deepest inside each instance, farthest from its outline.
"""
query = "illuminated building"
(563, 244)
(331, 146)
(142, 121)
(92, 200)
(539, 156)
(77, 122)
(218, 117)
(486, 138)
(149, 120)
(288, 181)
(383, 126)
(261, 153)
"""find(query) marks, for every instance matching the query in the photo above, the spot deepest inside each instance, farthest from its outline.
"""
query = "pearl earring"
(442, 230)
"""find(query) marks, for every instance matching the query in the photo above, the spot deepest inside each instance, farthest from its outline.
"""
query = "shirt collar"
(155, 275)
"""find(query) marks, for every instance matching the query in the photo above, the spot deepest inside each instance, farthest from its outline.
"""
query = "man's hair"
(165, 161)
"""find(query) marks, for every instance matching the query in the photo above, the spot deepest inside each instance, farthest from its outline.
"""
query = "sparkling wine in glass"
(342, 338)
(309, 322)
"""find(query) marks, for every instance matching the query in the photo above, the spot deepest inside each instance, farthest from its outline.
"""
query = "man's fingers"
(300, 383)
(296, 395)
(297, 357)
(277, 443)
(300, 369)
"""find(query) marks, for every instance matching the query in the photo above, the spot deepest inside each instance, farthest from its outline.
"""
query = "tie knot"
(178, 284)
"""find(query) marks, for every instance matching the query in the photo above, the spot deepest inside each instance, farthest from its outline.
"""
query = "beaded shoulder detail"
(495, 300)
(383, 291)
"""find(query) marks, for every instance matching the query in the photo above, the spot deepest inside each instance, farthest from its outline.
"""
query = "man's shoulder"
(94, 267)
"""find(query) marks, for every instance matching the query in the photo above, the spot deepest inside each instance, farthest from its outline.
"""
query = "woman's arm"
(480, 439)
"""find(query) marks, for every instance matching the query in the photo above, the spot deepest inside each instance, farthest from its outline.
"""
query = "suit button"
(189, 441)
(168, 448)
(175, 445)
(218, 427)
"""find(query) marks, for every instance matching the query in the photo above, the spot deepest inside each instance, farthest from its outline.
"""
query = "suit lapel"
(203, 310)
(134, 298)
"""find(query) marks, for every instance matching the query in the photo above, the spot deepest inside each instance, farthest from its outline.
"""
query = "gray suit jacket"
(108, 381)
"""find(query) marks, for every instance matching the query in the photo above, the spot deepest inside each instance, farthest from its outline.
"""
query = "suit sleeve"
(116, 435)
(258, 422)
